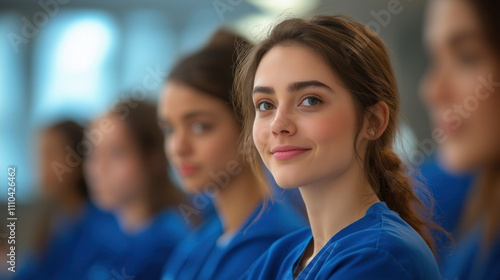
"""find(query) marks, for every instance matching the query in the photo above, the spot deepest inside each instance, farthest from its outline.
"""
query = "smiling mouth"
(287, 152)
(187, 170)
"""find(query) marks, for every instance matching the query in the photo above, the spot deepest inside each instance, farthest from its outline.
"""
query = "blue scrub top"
(378, 246)
(140, 255)
(69, 247)
(449, 193)
(207, 254)
(468, 262)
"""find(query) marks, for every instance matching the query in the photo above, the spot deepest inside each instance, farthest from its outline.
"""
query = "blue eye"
(199, 128)
(265, 106)
(167, 131)
(311, 101)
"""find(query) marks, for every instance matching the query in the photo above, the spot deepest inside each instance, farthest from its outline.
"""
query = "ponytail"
(388, 177)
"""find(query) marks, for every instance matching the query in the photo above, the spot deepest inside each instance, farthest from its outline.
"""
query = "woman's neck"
(334, 203)
(134, 215)
(237, 200)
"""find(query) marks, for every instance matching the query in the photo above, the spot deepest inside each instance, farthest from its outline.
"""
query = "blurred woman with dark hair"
(461, 90)
(202, 140)
(127, 174)
(68, 223)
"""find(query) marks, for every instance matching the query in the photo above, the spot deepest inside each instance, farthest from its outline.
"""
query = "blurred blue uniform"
(140, 255)
(378, 246)
(96, 248)
(468, 262)
(67, 248)
(449, 193)
(207, 254)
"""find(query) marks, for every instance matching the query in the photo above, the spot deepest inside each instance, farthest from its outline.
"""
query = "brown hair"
(140, 119)
(482, 205)
(211, 69)
(72, 133)
(359, 58)
(488, 13)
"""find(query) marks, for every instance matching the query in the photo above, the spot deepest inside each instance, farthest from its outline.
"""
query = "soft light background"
(73, 59)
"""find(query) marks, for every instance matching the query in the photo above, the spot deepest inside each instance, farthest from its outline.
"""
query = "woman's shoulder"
(383, 235)
(170, 224)
(288, 246)
(278, 260)
(273, 221)
(292, 240)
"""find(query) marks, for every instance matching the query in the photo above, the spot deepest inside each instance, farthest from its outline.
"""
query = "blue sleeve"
(366, 264)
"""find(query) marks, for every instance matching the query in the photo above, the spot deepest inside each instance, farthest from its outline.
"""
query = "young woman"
(461, 90)
(202, 141)
(67, 226)
(127, 174)
(321, 106)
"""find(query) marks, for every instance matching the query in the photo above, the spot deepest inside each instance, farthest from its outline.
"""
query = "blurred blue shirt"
(208, 254)
(449, 193)
(96, 248)
(468, 261)
(64, 248)
(140, 255)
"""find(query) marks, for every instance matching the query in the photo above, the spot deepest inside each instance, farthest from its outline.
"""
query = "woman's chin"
(455, 162)
(288, 182)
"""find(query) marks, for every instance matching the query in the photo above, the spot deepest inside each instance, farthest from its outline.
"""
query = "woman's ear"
(376, 120)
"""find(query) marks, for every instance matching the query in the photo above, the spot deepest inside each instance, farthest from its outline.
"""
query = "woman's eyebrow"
(306, 84)
(294, 87)
(462, 37)
(194, 114)
(266, 90)
(190, 115)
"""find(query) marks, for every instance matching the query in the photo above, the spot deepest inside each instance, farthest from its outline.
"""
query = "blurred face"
(461, 88)
(116, 171)
(305, 121)
(201, 135)
(52, 148)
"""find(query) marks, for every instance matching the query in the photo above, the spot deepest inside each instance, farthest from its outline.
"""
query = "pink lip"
(187, 169)
(448, 129)
(287, 152)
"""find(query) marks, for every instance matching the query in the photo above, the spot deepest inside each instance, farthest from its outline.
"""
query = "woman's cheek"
(463, 86)
(129, 175)
(220, 149)
(261, 131)
(334, 127)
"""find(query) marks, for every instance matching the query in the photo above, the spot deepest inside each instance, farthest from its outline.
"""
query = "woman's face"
(115, 169)
(305, 122)
(462, 85)
(201, 137)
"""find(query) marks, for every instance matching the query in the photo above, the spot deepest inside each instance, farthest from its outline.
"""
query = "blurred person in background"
(127, 174)
(66, 225)
(461, 91)
(202, 140)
